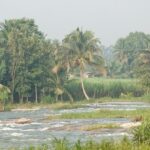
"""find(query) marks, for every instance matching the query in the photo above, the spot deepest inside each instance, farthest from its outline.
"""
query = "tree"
(82, 48)
(126, 50)
(59, 70)
(21, 44)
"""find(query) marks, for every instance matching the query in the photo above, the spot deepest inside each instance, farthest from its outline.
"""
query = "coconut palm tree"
(58, 73)
(82, 48)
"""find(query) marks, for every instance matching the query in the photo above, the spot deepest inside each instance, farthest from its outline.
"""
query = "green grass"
(63, 144)
(144, 113)
(98, 127)
(77, 104)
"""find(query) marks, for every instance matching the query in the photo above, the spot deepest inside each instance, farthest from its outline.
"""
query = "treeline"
(34, 67)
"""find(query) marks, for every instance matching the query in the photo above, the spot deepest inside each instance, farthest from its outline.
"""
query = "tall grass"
(63, 144)
(133, 114)
(142, 133)
(98, 87)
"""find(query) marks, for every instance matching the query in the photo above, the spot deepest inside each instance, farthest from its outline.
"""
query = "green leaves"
(143, 68)
(126, 50)
(82, 49)
(21, 46)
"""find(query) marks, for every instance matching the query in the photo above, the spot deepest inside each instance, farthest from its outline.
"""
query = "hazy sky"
(108, 19)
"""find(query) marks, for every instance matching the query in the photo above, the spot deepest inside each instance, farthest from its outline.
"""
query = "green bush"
(141, 134)
(60, 144)
(48, 100)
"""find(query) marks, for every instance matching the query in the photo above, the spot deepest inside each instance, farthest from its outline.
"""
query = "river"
(41, 131)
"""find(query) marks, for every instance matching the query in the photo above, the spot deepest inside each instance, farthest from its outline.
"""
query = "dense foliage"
(143, 68)
(36, 68)
(125, 52)
(142, 133)
(21, 46)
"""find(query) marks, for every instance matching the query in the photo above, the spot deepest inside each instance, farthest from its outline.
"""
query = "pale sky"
(108, 19)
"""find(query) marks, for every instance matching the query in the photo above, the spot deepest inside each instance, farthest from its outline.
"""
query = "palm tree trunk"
(82, 85)
(12, 90)
(69, 95)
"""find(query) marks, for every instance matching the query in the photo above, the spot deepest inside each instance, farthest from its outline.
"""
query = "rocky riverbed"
(29, 127)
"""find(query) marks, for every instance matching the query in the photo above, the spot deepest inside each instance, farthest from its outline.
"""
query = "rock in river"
(16, 121)
(22, 121)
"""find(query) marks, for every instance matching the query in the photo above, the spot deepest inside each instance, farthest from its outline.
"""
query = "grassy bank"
(133, 114)
(77, 104)
(99, 126)
(124, 144)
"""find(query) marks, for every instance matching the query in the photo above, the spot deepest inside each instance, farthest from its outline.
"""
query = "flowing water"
(43, 131)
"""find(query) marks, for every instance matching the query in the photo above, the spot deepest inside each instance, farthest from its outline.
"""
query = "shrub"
(60, 144)
(141, 134)
(48, 99)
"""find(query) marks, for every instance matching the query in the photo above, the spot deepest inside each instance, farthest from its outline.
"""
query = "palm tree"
(121, 52)
(82, 48)
(59, 69)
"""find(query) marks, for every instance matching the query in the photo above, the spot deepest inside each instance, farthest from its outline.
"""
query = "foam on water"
(7, 129)
(16, 134)
(43, 129)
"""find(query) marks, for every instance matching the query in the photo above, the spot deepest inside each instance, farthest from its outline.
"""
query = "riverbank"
(76, 104)
(63, 144)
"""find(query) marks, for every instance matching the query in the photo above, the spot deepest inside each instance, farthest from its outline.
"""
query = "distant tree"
(126, 50)
(143, 68)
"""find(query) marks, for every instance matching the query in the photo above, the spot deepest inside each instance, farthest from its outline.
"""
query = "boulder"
(130, 124)
(23, 121)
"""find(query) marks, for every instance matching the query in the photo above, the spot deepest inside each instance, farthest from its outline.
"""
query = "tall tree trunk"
(82, 85)
(13, 75)
(70, 96)
(12, 89)
(36, 96)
